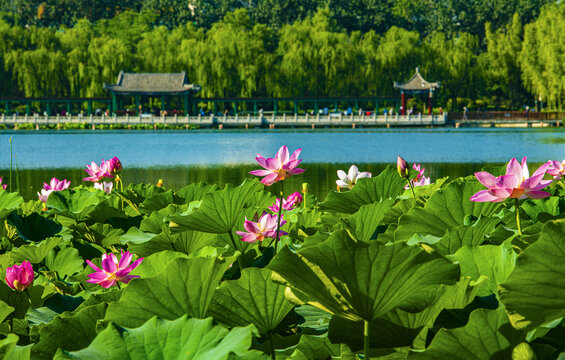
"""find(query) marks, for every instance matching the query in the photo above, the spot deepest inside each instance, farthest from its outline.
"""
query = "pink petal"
(541, 170)
(532, 182)
(514, 168)
(525, 171)
(486, 179)
(297, 171)
(535, 194)
(282, 154)
(94, 267)
(295, 154)
(269, 179)
(542, 184)
(484, 196)
(273, 164)
(127, 278)
(251, 238)
(108, 265)
(251, 226)
(508, 181)
(261, 172)
(501, 193)
(125, 260)
(98, 276)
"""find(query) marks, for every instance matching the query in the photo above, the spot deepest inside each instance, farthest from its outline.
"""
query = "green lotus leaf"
(487, 335)
(399, 327)
(387, 185)
(5, 310)
(33, 227)
(535, 291)
(494, 262)
(311, 347)
(252, 299)
(153, 264)
(75, 204)
(184, 338)
(65, 262)
(185, 286)
(193, 192)
(9, 201)
(186, 242)
(366, 220)
(7, 347)
(156, 202)
(463, 235)
(155, 222)
(534, 208)
(35, 253)
(311, 317)
(68, 331)
(446, 209)
(219, 210)
(359, 281)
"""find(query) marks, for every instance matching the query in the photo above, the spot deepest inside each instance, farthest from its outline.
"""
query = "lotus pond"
(381, 269)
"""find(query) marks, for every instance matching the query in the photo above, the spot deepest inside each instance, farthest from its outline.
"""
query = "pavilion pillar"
(255, 107)
(403, 106)
(235, 107)
(7, 107)
(48, 107)
(430, 103)
(185, 104)
(89, 107)
(28, 108)
(296, 106)
(68, 107)
(114, 105)
(163, 107)
(137, 105)
(315, 107)
(356, 106)
(276, 107)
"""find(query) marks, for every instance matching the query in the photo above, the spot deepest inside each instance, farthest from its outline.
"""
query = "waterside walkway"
(271, 121)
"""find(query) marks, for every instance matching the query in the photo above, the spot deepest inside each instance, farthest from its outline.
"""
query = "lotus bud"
(402, 167)
(20, 277)
(160, 183)
(304, 188)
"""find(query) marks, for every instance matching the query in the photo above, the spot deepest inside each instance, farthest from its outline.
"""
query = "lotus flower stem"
(279, 219)
(411, 188)
(11, 164)
(272, 345)
(366, 339)
(118, 284)
(517, 205)
(235, 249)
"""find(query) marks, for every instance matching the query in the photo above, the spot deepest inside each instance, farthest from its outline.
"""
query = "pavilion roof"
(417, 83)
(152, 83)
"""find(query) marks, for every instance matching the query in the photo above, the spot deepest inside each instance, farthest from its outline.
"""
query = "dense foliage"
(485, 53)
(424, 273)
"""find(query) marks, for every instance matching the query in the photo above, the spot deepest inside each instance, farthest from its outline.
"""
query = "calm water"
(182, 157)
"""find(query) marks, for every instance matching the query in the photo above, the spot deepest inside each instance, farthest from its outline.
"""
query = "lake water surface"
(226, 156)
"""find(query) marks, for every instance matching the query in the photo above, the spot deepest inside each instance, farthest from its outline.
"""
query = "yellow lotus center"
(282, 174)
(18, 285)
(516, 192)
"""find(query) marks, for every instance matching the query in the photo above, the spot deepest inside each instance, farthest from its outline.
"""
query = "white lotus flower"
(347, 181)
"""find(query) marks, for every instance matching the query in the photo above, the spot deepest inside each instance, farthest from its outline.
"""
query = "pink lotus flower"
(347, 181)
(258, 231)
(517, 183)
(20, 277)
(114, 166)
(402, 167)
(278, 168)
(113, 271)
(3, 186)
(288, 204)
(104, 186)
(97, 173)
(54, 185)
(556, 169)
(420, 179)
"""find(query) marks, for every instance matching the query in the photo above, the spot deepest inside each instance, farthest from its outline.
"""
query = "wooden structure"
(143, 86)
(416, 85)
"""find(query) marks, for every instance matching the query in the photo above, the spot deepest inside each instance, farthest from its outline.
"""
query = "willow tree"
(543, 51)
(501, 61)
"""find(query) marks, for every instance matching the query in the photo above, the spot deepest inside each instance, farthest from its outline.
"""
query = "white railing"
(236, 120)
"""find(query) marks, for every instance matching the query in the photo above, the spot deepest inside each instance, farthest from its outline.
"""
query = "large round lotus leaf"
(360, 281)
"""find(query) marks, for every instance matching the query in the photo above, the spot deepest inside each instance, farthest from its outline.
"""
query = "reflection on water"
(321, 177)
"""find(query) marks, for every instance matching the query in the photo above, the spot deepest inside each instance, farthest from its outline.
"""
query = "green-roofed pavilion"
(145, 86)
(417, 85)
